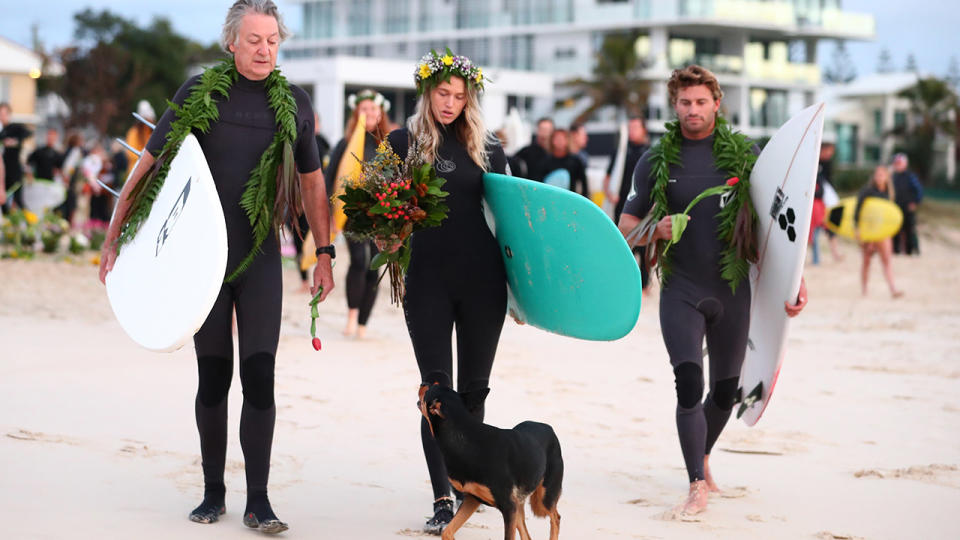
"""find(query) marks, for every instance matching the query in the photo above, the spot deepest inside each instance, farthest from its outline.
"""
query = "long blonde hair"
(890, 190)
(468, 127)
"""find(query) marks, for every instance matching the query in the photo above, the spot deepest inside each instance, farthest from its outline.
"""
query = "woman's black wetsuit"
(361, 280)
(697, 302)
(233, 146)
(455, 278)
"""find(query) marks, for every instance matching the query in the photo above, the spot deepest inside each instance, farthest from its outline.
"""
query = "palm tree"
(616, 79)
(933, 105)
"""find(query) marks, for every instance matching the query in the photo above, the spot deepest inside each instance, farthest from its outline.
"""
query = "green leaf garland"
(732, 153)
(274, 171)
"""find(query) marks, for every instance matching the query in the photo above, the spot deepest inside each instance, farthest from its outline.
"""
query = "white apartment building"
(763, 51)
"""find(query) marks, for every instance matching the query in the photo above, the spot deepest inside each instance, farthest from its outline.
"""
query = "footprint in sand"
(36, 436)
(737, 492)
(940, 474)
(640, 502)
(678, 515)
(826, 535)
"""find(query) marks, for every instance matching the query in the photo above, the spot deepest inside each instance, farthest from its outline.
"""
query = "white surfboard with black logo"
(782, 186)
(166, 280)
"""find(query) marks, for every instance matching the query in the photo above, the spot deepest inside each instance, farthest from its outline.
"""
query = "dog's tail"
(543, 500)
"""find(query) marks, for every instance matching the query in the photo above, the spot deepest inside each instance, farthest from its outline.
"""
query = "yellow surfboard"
(349, 169)
(879, 219)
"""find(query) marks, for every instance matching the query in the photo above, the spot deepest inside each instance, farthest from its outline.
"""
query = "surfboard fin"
(144, 121)
(751, 398)
(124, 144)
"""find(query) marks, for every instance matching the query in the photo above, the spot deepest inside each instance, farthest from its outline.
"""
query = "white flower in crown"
(376, 97)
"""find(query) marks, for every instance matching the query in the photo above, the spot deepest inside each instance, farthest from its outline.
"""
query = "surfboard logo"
(172, 218)
(786, 221)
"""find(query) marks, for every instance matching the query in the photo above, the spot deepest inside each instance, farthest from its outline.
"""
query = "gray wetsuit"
(696, 303)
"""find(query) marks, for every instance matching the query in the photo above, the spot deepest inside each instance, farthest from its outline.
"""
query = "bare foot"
(696, 500)
(304, 287)
(351, 328)
(361, 331)
(897, 294)
(708, 478)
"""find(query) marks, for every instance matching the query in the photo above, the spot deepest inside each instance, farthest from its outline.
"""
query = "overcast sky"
(929, 31)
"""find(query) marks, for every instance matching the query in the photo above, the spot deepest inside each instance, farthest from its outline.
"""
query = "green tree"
(885, 62)
(616, 79)
(932, 106)
(911, 65)
(115, 63)
(841, 70)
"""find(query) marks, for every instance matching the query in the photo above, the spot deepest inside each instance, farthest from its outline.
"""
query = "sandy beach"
(861, 440)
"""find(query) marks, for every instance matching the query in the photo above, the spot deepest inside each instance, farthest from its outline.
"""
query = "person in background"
(561, 158)
(909, 194)
(137, 136)
(12, 135)
(578, 143)
(638, 142)
(530, 159)
(880, 186)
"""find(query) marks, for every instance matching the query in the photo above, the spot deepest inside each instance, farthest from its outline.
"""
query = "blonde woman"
(880, 186)
(456, 277)
(361, 280)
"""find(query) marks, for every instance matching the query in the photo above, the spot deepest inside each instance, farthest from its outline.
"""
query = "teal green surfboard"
(569, 269)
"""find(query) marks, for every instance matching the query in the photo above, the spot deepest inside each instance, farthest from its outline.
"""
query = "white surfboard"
(619, 162)
(166, 280)
(782, 188)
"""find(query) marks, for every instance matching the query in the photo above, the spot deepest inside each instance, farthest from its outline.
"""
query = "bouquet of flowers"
(20, 230)
(390, 200)
(53, 227)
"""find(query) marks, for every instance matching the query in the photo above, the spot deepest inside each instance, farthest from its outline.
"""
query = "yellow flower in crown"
(31, 218)
(424, 71)
(479, 77)
(435, 68)
(447, 60)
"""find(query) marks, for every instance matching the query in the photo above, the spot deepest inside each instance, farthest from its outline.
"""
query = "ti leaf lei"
(732, 153)
(274, 170)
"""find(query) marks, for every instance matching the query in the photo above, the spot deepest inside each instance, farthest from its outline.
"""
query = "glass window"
(899, 119)
(318, 20)
(397, 16)
(877, 122)
(359, 16)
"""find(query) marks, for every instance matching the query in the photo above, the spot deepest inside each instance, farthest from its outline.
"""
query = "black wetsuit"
(11, 159)
(574, 166)
(697, 302)
(530, 160)
(634, 152)
(456, 278)
(908, 192)
(233, 146)
(361, 280)
(44, 161)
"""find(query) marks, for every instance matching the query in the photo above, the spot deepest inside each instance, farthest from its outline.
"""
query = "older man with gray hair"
(253, 128)
(908, 194)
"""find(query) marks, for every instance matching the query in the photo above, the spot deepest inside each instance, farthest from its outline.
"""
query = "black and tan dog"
(497, 467)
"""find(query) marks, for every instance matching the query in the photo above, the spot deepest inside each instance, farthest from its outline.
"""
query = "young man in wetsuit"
(233, 146)
(696, 302)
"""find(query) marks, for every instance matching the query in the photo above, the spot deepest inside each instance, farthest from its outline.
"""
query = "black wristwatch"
(329, 250)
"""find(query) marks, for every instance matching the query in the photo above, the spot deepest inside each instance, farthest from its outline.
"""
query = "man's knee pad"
(214, 375)
(689, 381)
(725, 393)
(256, 376)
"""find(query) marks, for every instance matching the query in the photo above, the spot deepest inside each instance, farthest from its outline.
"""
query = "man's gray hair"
(231, 26)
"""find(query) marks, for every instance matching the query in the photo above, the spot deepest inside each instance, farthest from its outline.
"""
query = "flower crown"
(434, 68)
(376, 97)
